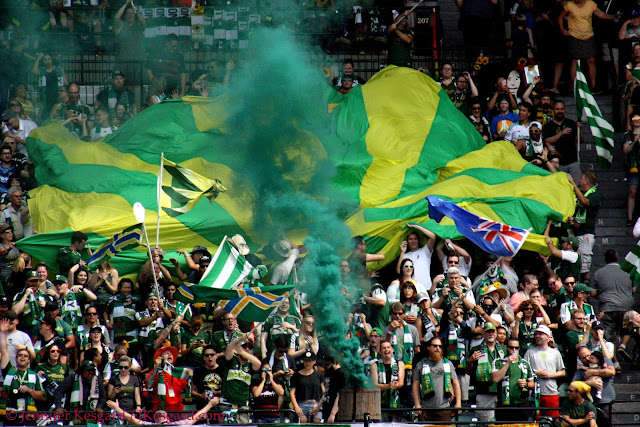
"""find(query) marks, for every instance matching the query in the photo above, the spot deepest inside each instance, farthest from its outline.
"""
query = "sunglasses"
(397, 314)
(22, 355)
(528, 309)
(54, 351)
(436, 345)
(309, 323)
(209, 354)
(89, 314)
(569, 283)
(123, 367)
(408, 266)
(453, 262)
(513, 348)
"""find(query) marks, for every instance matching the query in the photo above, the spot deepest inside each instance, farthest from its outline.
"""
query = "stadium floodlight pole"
(140, 212)
(403, 15)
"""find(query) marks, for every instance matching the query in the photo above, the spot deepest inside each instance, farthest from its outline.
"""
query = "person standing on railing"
(168, 63)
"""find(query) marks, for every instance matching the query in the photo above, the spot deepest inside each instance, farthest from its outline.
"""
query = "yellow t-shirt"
(580, 18)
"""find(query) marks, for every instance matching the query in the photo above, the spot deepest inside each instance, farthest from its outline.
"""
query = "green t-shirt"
(517, 395)
(578, 411)
(237, 381)
(194, 358)
(55, 373)
(63, 329)
(221, 339)
(67, 258)
(273, 324)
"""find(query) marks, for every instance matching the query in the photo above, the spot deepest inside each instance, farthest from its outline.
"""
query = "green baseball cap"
(32, 274)
(59, 278)
(581, 287)
(489, 327)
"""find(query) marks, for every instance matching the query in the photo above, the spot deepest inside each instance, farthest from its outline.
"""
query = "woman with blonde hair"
(306, 340)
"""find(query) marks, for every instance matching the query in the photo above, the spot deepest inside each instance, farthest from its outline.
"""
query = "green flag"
(602, 131)
(184, 188)
(631, 264)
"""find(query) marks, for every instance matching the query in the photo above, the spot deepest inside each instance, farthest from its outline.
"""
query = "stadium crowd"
(435, 332)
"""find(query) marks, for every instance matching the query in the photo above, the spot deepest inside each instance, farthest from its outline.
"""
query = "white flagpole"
(158, 198)
(140, 213)
(578, 113)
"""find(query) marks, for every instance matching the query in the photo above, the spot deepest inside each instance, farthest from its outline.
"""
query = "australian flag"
(491, 236)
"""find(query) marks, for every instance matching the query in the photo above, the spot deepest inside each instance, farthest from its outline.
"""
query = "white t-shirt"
(282, 270)
(100, 132)
(570, 256)
(517, 131)
(421, 265)
(549, 359)
(17, 338)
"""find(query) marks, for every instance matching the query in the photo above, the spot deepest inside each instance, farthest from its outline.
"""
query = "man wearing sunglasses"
(514, 378)
(22, 386)
(435, 384)
(207, 379)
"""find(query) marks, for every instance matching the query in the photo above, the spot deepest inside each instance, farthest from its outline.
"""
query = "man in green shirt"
(514, 378)
(578, 410)
(584, 219)
(238, 366)
(69, 256)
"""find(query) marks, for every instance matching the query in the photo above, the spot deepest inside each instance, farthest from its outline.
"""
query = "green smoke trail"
(281, 136)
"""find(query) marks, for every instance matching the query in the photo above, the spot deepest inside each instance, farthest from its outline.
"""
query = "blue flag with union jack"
(491, 236)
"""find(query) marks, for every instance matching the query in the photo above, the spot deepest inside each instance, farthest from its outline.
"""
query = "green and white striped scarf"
(12, 381)
(403, 349)
(70, 309)
(78, 392)
(164, 379)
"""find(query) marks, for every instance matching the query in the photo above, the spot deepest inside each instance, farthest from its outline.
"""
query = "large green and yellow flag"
(391, 142)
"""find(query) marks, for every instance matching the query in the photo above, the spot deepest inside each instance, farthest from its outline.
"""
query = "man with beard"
(480, 366)
(560, 137)
(435, 384)
(548, 366)
(116, 94)
(207, 379)
(514, 377)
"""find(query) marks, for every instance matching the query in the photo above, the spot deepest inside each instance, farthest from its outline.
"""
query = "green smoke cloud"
(281, 134)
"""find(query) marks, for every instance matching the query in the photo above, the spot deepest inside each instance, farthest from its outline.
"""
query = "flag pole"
(158, 197)
(140, 213)
(578, 113)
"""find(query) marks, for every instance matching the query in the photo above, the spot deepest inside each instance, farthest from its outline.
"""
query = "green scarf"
(163, 378)
(456, 349)
(483, 371)
(12, 381)
(70, 310)
(389, 398)
(77, 394)
(427, 381)
(401, 348)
